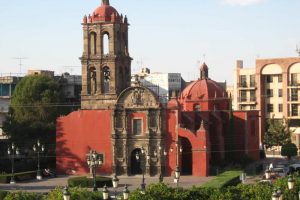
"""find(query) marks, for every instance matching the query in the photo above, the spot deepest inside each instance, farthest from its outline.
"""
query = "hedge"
(85, 182)
(20, 176)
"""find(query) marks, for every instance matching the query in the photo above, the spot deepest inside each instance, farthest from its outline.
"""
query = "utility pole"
(20, 62)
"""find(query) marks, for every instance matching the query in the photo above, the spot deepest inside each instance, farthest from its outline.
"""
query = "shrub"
(289, 150)
(3, 194)
(23, 196)
(83, 181)
(76, 194)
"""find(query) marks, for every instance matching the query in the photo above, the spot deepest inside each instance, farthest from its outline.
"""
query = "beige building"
(273, 88)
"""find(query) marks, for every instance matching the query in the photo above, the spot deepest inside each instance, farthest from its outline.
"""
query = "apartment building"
(273, 88)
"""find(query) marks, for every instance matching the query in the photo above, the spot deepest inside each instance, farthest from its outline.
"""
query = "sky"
(164, 35)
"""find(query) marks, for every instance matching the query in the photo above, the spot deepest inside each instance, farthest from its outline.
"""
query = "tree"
(35, 105)
(289, 150)
(278, 133)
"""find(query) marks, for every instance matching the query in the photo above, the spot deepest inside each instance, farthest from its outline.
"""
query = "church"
(195, 131)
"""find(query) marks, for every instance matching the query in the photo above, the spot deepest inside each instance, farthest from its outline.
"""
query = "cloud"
(242, 2)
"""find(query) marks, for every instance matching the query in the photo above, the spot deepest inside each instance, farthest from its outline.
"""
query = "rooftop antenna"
(20, 62)
(298, 50)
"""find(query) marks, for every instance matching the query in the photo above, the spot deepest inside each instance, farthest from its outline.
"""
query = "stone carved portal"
(141, 102)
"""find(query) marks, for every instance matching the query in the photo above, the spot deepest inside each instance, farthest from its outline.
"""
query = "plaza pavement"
(132, 182)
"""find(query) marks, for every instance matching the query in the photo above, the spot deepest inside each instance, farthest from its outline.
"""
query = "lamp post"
(177, 176)
(13, 151)
(268, 174)
(38, 148)
(177, 171)
(279, 193)
(140, 156)
(125, 193)
(291, 182)
(162, 153)
(105, 192)
(275, 195)
(66, 193)
(94, 160)
(115, 182)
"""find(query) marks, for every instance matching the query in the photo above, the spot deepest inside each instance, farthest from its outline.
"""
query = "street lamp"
(279, 193)
(177, 176)
(105, 192)
(38, 148)
(140, 156)
(162, 153)
(12, 151)
(125, 193)
(275, 196)
(94, 160)
(291, 182)
(268, 174)
(66, 193)
(115, 182)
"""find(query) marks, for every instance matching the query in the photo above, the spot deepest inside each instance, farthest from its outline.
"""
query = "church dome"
(202, 90)
(204, 93)
(105, 12)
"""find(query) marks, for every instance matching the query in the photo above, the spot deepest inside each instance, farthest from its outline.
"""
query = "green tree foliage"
(289, 150)
(35, 105)
(278, 133)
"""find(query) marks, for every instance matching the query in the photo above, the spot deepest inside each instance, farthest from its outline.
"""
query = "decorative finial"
(105, 2)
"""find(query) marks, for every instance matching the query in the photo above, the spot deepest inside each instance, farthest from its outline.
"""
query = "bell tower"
(106, 64)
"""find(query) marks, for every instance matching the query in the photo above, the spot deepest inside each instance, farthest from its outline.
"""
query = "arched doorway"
(135, 164)
(186, 157)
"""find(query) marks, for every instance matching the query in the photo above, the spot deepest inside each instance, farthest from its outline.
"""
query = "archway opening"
(135, 163)
(186, 157)
(105, 43)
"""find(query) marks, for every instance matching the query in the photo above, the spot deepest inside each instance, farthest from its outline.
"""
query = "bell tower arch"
(106, 64)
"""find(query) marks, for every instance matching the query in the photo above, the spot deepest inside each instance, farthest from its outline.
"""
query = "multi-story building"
(273, 88)
(7, 86)
(162, 84)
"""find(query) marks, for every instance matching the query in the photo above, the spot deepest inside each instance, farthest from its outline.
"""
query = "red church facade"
(195, 130)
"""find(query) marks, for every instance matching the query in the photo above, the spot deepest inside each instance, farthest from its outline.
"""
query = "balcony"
(245, 100)
(294, 84)
(246, 85)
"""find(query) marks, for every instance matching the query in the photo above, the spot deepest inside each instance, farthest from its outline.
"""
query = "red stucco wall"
(79, 132)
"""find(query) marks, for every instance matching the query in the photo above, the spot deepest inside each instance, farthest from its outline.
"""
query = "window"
(252, 107)
(280, 78)
(252, 96)
(243, 96)
(4, 90)
(294, 79)
(197, 108)
(137, 126)
(243, 81)
(269, 79)
(270, 108)
(252, 81)
(105, 79)
(294, 94)
(294, 109)
(269, 93)
(280, 109)
(279, 92)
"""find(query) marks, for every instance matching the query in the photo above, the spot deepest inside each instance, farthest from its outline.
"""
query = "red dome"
(202, 90)
(105, 13)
